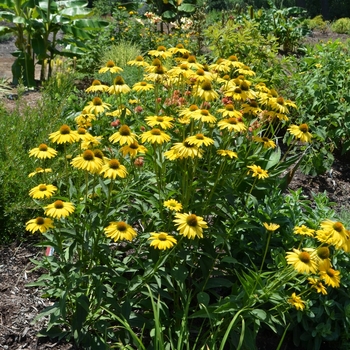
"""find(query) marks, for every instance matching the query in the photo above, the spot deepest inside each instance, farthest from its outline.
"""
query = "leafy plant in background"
(341, 26)
(166, 213)
(34, 22)
(286, 24)
(24, 126)
(320, 85)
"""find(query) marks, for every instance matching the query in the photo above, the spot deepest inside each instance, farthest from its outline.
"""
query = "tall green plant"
(36, 25)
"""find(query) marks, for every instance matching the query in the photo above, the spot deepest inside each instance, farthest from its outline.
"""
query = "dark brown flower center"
(200, 137)
(42, 188)
(191, 59)
(98, 153)
(238, 90)
(161, 48)
(39, 220)
(280, 101)
(229, 107)
(331, 273)
(191, 220)
(124, 130)
(121, 226)
(114, 164)
(244, 86)
(323, 252)
(110, 64)
(162, 236)
(200, 72)
(184, 66)
(96, 101)
(156, 132)
(64, 130)
(204, 112)
(42, 147)
(156, 62)
(338, 226)
(119, 81)
(96, 82)
(206, 85)
(58, 204)
(81, 131)
(160, 119)
(143, 83)
(303, 128)
(134, 145)
(88, 155)
(139, 59)
(232, 120)
(193, 108)
(304, 257)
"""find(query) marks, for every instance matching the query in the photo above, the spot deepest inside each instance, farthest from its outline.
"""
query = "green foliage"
(317, 23)
(24, 128)
(341, 26)
(320, 86)
(247, 43)
(36, 26)
(226, 277)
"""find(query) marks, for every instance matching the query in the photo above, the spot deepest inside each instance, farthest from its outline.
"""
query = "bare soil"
(19, 304)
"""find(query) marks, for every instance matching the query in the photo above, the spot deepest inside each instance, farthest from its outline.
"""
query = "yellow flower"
(332, 232)
(303, 230)
(232, 124)
(40, 171)
(155, 136)
(96, 86)
(162, 240)
(59, 209)
(190, 225)
(297, 302)
(330, 276)
(64, 135)
(43, 152)
(42, 191)
(205, 91)
(138, 61)
(258, 172)
(204, 116)
(84, 120)
(110, 67)
(133, 149)
(317, 284)
(163, 121)
(183, 150)
(301, 132)
(114, 169)
(227, 153)
(267, 143)
(120, 231)
(251, 108)
(199, 140)
(179, 48)
(160, 52)
(87, 161)
(119, 87)
(39, 224)
(123, 136)
(173, 204)
(271, 226)
(229, 111)
(96, 106)
(302, 261)
(142, 86)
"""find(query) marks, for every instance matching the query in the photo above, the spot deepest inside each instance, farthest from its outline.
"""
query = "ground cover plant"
(163, 195)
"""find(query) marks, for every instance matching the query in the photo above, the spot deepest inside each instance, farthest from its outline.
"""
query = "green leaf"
(203, 298)
(186, 8)
(180, 273)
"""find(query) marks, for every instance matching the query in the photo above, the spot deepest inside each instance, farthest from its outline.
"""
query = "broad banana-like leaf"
(186, 8)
